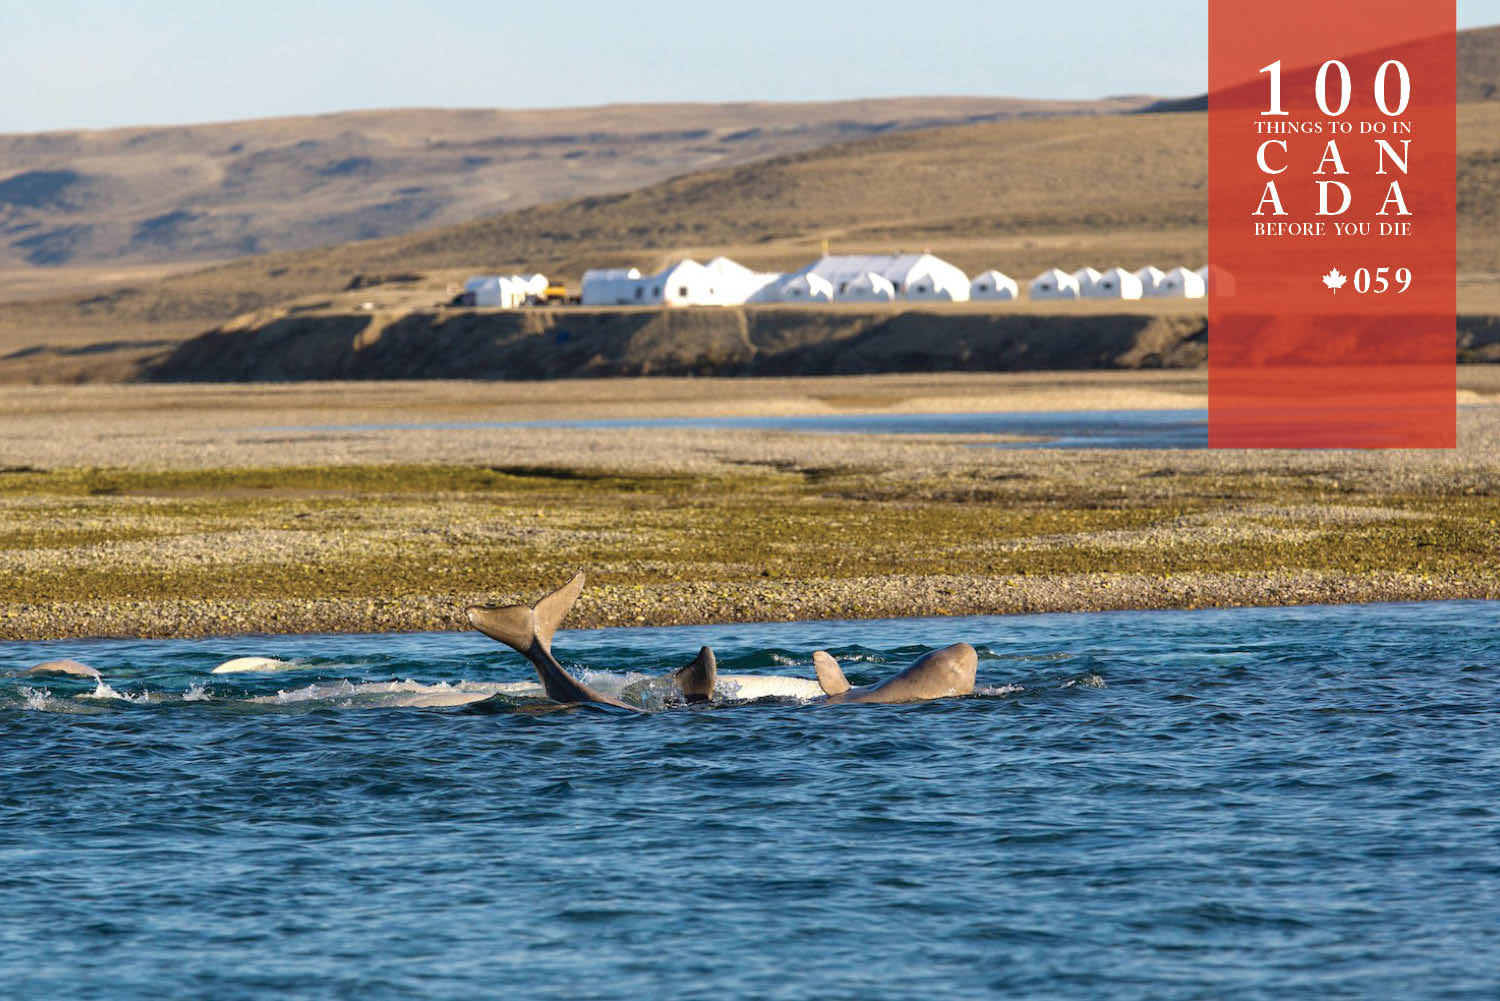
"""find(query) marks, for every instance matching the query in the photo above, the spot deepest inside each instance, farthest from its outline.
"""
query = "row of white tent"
(870, 278)
(1086, 283)
(857, 278)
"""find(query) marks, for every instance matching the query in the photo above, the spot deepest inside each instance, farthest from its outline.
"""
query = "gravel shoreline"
(894, 596)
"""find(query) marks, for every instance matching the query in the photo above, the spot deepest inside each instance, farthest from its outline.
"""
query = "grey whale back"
(940, 674)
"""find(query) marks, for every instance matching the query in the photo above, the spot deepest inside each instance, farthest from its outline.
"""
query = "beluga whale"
(941, 674)
(71, 668)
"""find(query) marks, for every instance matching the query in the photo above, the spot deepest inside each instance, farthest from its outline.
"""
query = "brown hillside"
(205, 192)
(1479, 64)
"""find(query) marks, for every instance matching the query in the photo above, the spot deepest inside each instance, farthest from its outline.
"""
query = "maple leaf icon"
(1334, 279)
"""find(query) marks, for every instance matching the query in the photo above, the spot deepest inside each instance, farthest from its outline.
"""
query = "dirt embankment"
(572, 343)
(560, 343)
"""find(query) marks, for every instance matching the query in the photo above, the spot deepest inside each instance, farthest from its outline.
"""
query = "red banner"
(1332, 210)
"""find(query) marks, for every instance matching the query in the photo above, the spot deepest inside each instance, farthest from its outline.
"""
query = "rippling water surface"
(1245, 803)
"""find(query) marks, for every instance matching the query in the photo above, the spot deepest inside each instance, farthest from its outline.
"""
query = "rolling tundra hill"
(140, 196)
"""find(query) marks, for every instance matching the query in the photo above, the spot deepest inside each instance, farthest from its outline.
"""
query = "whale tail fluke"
(528, 630)
(551, 610)
(519, 626)
(697, 679)
(830, 676)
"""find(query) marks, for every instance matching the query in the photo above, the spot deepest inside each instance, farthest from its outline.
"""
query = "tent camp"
(912, 276)
(1054, 283)
(994, 284)
(1116, 283)
(1180, 283)
(610, 287)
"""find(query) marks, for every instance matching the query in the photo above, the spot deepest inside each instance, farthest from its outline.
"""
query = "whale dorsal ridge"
(697, 679)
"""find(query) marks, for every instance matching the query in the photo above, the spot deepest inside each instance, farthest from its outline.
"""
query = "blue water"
(1225, 804)
(1052, 429)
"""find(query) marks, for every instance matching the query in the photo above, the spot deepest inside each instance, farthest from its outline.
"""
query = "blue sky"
(95, 65)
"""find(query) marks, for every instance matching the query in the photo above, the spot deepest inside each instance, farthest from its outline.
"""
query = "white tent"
(610, 287)
(1054, 284)
(1116, 283)
(686, 283)
(993, 284)
(496, 291)
(912, 276)
(934, 278)
(536, 284)
(737, 283)
(1180, 283)
(806, 286)
(869, 287)
(1085, 277)
(1150, 277)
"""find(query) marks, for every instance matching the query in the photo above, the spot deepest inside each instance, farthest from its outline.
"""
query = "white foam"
(196, 693)
(399, 694)
(38, 700)
(310, 693)
(1087, 681)
(766, 686)
(103, 691)
(612, 683)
